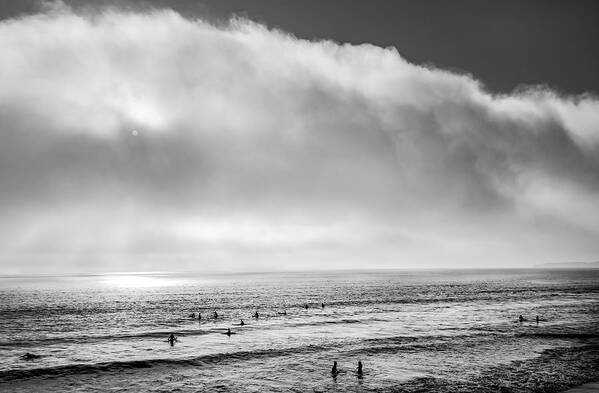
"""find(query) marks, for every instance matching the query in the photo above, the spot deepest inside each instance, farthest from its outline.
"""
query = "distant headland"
(569, 265)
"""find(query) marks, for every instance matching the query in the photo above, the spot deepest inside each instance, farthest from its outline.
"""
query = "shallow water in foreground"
(414, 331)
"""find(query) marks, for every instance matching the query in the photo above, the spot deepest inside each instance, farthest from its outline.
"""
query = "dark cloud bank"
(147, 141)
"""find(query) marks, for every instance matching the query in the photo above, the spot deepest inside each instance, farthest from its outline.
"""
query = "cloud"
(133, 139)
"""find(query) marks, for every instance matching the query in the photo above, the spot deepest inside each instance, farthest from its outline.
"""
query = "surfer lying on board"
(30, 356)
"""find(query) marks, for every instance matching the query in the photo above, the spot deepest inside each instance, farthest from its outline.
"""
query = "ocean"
(413, 331)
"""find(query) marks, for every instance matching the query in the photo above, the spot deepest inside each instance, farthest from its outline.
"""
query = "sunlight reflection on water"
(138, 280)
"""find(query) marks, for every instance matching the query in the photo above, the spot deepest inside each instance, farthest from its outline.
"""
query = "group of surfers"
(255, 315)
(522, 319)
(172, 338)
(335, 371)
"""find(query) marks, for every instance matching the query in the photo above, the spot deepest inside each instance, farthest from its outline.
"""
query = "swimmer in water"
(171, 339)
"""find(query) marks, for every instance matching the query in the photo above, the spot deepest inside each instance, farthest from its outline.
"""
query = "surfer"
(192, 315)
(283, 313)
(30, 356)
(521, 318)
(229, 332)
(322, 305)
(256, 315)
(199, 316)
(215, 314)
(241, 323)
(359, 369)
(306, 306)
(334, 370)
(171, 339)
(537, 319)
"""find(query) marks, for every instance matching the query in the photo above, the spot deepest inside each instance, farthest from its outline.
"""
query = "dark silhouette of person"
(171, 339)
(322, 305)
(306, 306)
(30, 356)
(360, 369)
(537, 319)
(215, 314)
(283, 313)
(242, 323)
(521, 318)
(192, 315)
(228, 332)
(334, 370)
(199, 317)
(256, 315)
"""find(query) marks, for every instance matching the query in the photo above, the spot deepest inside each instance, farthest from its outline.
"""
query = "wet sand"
(586, 388)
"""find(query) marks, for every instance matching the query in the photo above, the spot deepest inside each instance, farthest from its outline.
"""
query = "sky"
(244, 136)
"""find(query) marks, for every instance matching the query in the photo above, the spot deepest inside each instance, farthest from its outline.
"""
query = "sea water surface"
(446, 330)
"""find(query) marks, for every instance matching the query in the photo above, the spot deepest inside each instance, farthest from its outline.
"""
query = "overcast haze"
(144, 139)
